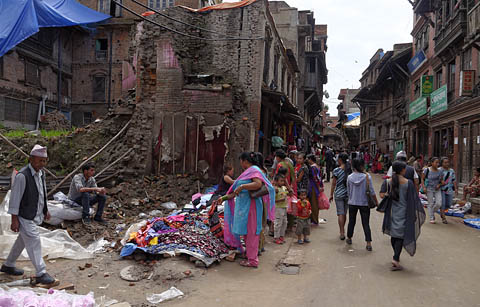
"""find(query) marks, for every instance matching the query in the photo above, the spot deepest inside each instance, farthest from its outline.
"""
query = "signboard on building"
(427, 86)
(416, 61)
(417, 108)
(467, 79)
(439, 101)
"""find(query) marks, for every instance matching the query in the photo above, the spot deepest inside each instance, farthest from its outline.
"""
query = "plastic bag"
(60, 212)
(169, 205)
(323, 202)
(164, 296)
(16, 297)
(55, 244)
(292, 205)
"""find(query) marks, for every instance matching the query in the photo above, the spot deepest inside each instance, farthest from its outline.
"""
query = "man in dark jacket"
(28, 207)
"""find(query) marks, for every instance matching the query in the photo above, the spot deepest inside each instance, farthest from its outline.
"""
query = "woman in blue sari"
(243, 214)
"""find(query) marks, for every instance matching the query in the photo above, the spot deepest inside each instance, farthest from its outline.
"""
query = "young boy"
(303, 217)
(281, 193)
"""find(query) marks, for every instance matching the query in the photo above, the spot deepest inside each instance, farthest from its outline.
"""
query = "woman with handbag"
(404, 213)
(244, 210)
(361, 197)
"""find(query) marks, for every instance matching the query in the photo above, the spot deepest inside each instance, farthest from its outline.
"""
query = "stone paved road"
(445, 272)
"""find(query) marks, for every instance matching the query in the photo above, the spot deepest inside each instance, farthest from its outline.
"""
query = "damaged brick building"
(212, 98)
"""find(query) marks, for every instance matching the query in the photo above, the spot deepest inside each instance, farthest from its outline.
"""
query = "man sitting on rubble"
(85, 192)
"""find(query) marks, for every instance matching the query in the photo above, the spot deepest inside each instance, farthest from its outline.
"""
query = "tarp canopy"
(353, 123)
(352, 116)
(20, 19)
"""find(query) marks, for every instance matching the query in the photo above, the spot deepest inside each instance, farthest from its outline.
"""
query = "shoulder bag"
(382, 206)
(260, 192)
(371, 200)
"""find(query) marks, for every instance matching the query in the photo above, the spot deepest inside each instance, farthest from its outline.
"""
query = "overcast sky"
(356, 29)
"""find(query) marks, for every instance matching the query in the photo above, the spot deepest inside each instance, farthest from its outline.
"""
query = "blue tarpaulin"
(352, 116)
(19, 19)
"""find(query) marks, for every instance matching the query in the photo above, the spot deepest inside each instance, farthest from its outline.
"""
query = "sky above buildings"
(356, 30)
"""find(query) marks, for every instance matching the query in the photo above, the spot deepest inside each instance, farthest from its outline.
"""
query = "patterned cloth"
(341, 186)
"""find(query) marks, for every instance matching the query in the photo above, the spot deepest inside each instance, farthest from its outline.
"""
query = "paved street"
(444, 272)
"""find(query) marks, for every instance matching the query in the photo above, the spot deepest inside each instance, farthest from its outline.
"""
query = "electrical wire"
(178, 32)
(180, 21)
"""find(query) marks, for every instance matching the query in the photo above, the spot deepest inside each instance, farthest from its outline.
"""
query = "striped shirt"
(341, 186)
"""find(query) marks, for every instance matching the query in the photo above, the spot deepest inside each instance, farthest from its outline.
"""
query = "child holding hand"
(303, 217)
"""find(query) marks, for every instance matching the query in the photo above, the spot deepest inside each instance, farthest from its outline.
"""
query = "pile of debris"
(54, 121)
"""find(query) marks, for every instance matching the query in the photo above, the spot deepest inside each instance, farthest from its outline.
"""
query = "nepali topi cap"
(39, 151)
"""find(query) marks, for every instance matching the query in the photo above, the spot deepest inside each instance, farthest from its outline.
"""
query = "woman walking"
(243, 213)
(315, 189)
(433, 181)
(339, 192)
(357, 184)
(404, 213)
(449, 186)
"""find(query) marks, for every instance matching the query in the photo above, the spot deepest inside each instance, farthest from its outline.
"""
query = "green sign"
(439, 101)
(417, 108)
(427, 85)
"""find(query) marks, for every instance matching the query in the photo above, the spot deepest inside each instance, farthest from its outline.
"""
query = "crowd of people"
(289, 196)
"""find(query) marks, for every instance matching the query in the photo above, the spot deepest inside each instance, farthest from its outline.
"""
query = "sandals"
(349, 241)
(300, 241)
(445, 221)
(369, 248)
(342, 237)
(247, 264)
(306, 241)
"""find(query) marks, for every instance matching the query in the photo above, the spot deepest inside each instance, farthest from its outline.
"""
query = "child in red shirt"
(303, 217)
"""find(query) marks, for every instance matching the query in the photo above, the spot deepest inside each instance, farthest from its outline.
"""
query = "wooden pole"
(185, 145)
(173, 144)
(23, 153)
(160, 148)
(113, 163)
(86, 161)
(196, 150)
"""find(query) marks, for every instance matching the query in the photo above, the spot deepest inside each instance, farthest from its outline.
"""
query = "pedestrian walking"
(315, 190)
(303, 213)
(244, 209)
(410, 174)
(329, 161)
(281, 194)
(432, 182)
(404, 213)
(28, 207)
(357, 184)
(449, 187)
(338, 191)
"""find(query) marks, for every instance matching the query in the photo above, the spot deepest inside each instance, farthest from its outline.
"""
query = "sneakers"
(86, 220)
(282, 239)
(306, 241)
(11, 270)
(322, 221)
(349, 241)
(45, 279)
(100, 220)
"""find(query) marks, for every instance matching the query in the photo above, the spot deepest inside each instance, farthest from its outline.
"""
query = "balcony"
(422, 6)
(452, 31)
(473, 25)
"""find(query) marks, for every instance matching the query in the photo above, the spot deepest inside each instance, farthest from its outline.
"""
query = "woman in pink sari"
(243, 214)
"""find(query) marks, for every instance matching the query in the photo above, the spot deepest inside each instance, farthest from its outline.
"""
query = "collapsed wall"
(201, 99)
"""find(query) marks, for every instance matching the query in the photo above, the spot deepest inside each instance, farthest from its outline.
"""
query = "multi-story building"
(453, 110)
(383, 99)
(212, 98)
(347, 105)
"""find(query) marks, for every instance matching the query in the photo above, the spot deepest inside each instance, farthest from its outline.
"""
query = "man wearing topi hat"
(28, 207)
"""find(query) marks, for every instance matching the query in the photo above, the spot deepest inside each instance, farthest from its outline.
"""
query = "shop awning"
(20, 19)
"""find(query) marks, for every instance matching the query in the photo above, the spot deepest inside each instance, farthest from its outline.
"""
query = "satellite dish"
(326, 94)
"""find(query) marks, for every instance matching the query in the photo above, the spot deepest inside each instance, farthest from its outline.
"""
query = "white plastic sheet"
(55, 244)
(164, 296)
(20, 297)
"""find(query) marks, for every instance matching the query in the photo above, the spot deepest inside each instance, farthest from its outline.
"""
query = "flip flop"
(247, 264)
(396, 268)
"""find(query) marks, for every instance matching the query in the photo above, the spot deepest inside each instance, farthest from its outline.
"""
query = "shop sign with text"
(417, 108)
(439, 101)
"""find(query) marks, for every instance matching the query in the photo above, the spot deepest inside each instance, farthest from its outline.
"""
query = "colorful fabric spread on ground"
(237, 211)
(186, 233)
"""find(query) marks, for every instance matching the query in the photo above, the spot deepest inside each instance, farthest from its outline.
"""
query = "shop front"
(418, 127)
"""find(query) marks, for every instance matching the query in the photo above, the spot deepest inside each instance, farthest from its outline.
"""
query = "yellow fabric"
(153, 241)
(282, 193)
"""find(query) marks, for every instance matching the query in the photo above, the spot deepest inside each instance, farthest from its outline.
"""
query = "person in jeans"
(449, 187)
(84, 191)
(357, 201)
(404, 213)
(434, 177)
(339, 192)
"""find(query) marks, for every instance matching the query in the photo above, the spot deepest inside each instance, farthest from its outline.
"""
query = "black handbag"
(371, 200)
(382, 206)
(260, 192)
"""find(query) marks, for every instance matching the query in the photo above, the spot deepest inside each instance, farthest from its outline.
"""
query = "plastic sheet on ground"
(474, 223)
(23, 297)
(55, 244)
(164, 296)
